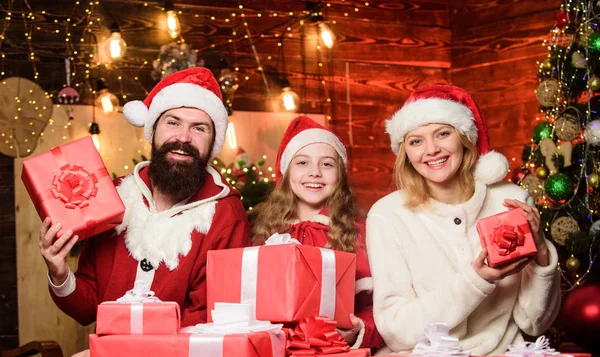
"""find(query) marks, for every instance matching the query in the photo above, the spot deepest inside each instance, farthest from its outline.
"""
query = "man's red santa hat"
(301, 132)
(194, 87)
(443, 104)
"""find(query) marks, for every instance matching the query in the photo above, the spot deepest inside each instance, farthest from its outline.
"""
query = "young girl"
(427, 262)
(312, 201)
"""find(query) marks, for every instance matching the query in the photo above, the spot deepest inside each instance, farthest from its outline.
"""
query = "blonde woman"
(424, 250)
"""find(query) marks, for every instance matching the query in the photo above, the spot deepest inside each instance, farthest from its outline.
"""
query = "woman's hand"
(533, 217)
(492, 275)
(350, 335)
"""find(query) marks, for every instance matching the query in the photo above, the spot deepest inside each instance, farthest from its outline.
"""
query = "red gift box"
(506, 236)
(360, 352)
(71, 185)
(254, 344)
(284, 283)
(148, 318)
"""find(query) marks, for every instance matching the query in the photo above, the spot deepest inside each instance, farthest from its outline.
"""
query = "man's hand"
(54, 251)
(350, 335)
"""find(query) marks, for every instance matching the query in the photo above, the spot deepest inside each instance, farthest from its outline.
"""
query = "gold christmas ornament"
(561, 227)
(573, 264)
(547, 64)
(541, 172)
(578, 60)
(594, 83)
(534, 186)
(547, 93)
(567, 126)
(593, 180)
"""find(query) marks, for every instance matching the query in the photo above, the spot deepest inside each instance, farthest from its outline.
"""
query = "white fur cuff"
(64, 289)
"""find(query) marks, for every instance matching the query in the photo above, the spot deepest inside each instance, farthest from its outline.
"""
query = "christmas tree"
(560, 164)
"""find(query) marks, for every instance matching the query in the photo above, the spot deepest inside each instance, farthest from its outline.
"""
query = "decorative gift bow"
(438, 342)
(507, 238)
(232, 318)
(74, 186)
(284, 238)
(541, 347)
(315, 336)
(134, 296)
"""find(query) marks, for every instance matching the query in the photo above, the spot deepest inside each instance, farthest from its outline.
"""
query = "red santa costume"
(301, 132)
(161, 251)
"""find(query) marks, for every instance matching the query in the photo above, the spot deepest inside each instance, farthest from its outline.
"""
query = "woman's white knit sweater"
(422, 273)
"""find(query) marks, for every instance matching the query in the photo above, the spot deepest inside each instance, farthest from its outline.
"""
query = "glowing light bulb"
(116, 45)
(173, 26)
(95, 133)
(326, 35)
(289, 99)
(231, 138)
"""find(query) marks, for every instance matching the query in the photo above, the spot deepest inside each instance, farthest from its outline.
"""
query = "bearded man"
(177, 209)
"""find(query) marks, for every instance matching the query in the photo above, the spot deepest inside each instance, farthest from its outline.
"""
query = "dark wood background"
(386, 50)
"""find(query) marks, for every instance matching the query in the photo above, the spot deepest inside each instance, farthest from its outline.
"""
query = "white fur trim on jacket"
(364, 284)
(427, 111)
(307, 137)
(162, 236)
(179, 95)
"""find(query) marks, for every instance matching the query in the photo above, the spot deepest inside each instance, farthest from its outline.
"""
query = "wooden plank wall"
(495, 46)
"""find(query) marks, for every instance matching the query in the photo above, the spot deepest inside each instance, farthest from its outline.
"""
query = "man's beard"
(178, 179)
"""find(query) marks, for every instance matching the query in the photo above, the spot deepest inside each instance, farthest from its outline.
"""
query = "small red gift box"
(360, 352)
(284, 283)
(506, 236)
(254, 344)
(148, 318)
(71, 185)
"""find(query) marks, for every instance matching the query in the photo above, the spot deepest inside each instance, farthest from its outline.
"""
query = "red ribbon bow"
(507, 238)
(315, 336)
(74, 186)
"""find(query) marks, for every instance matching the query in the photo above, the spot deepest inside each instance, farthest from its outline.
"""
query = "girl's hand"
(492, 275)
(533, 217)
(350, 335)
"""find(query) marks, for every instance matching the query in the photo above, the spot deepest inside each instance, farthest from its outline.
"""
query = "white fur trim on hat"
(428, 111)
(491, 168)
(307, 137)
(180, 95)
(136, 112)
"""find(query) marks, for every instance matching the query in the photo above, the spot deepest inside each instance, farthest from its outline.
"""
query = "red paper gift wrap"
(360, 352)
(255, 344)
(506, 236)
(71, 185)
(284, 283)
(149, 318)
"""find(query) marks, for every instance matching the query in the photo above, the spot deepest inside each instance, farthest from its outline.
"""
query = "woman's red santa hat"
(443, 104)
(301, 132)
(194, 87)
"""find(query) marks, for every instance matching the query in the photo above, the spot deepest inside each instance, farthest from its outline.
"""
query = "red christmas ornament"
(519, 174)
(562, 19)
(580, 316)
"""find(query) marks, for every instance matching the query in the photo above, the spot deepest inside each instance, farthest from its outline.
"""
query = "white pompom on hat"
(444, 104)
(194, 87)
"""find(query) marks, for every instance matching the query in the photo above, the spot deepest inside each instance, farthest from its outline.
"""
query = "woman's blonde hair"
(415, 186)
(278, 211)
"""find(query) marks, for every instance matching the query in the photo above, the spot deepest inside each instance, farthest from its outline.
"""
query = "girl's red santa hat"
(444, 104)
(194, 87)
(301, 132)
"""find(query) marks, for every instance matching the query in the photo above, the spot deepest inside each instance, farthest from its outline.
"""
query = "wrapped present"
(238, 337)
(71, 185)
(284, 282)
(138, 313)
(506, 236)
(436, 341)
(359, 352)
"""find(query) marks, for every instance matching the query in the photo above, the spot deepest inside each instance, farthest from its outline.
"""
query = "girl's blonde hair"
(278, 211)
(415, 185)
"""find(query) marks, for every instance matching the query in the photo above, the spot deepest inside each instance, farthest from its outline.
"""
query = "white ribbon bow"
(232, 318)
(438, 342)
(134, 296)
(284, 238)
(541, 347)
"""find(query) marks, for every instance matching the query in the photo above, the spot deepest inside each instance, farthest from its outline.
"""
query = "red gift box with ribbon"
(253, 344)
(147, 318)
(506, 236)
(285, 282)
(71, 185)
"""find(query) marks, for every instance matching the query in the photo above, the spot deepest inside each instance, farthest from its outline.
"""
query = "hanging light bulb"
(326, 34)
(95, 132)
(288, 99)
(105, 99)
(231, 138)
(173, 26)
(115, 45)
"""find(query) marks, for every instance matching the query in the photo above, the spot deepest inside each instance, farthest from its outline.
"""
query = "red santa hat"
(444, 104)
(301, 132)
(194, 87)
